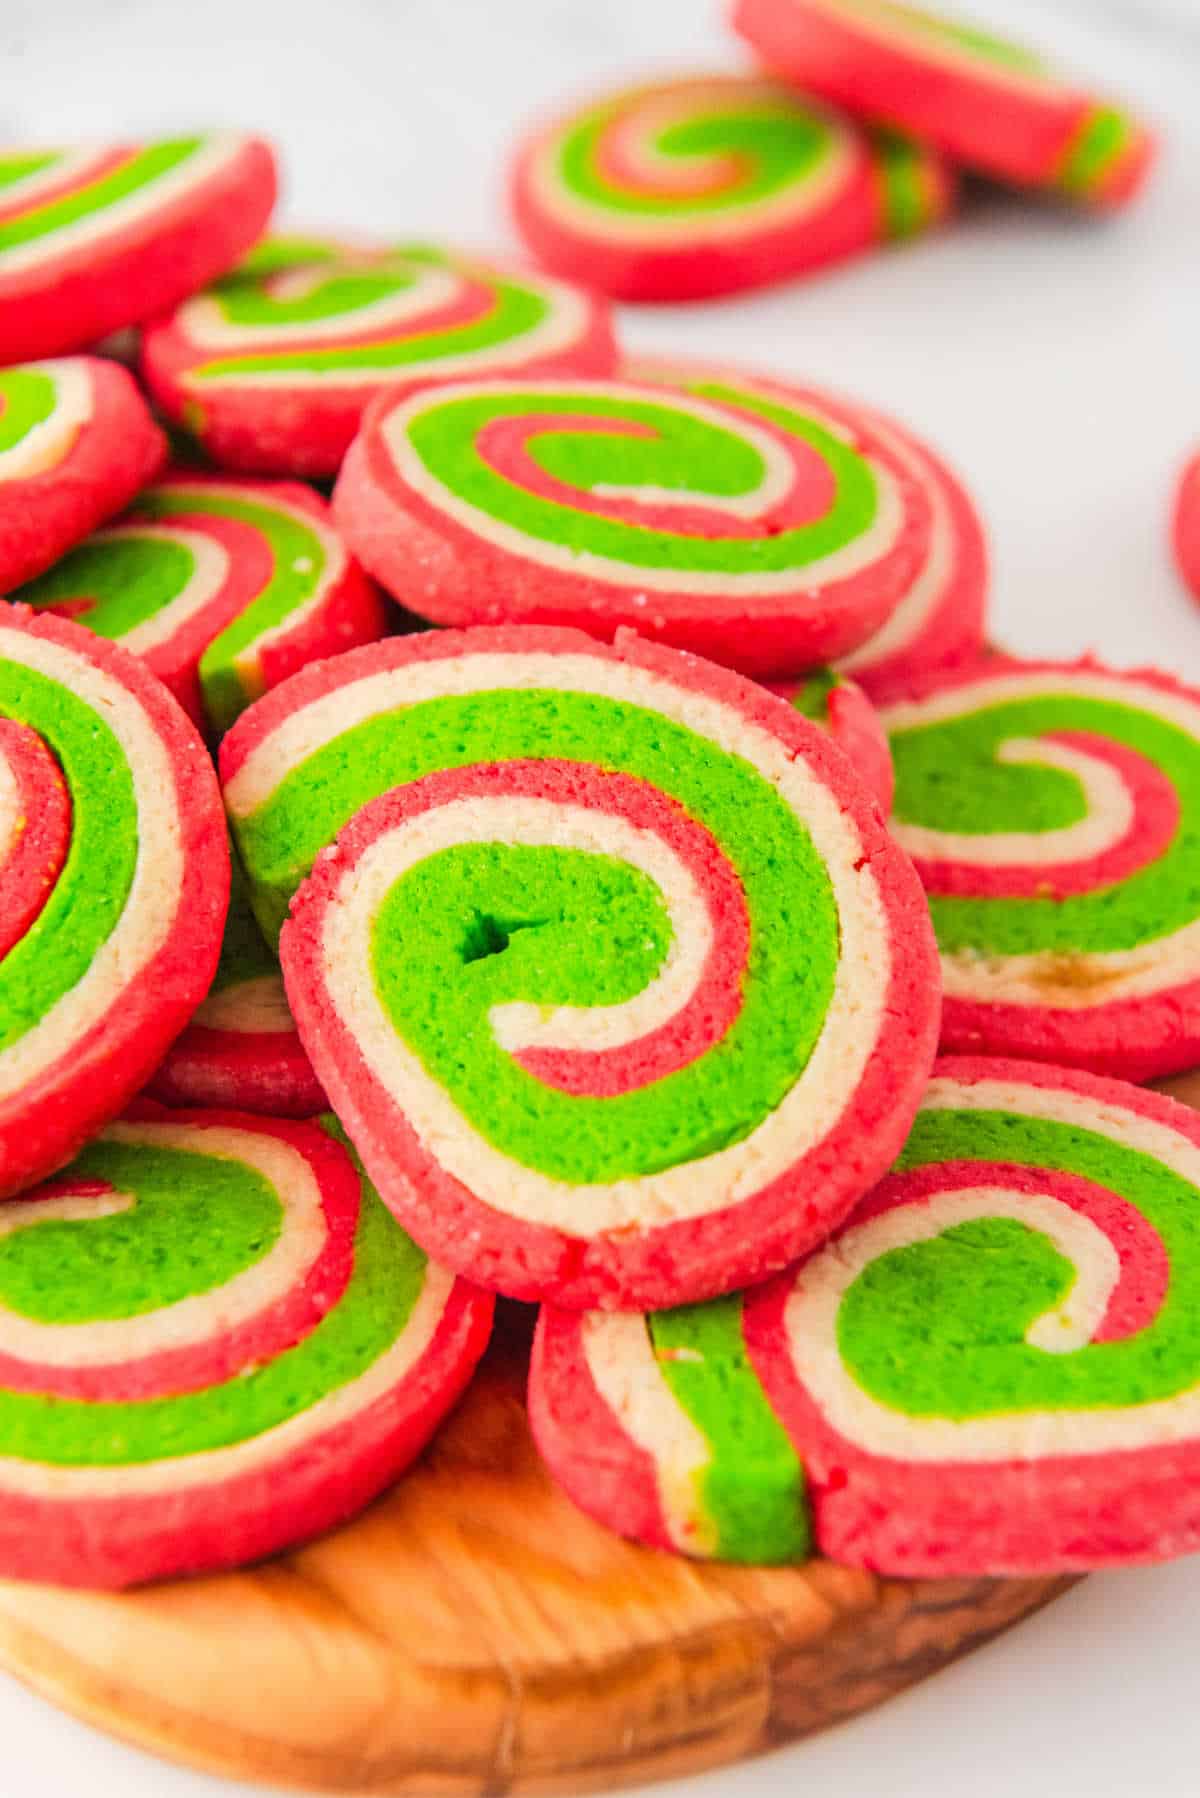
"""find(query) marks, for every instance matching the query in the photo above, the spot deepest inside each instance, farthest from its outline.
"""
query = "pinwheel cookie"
(768, 530)
(988, 103)
(613, 975)
(76, 444)
(114, 875)
(242, 1049)
(708, 184)
(272, 368)
(214, 1342)
(95, 239)
(222, 587)
(938, 621)
(1053, 813)
(990, 1369)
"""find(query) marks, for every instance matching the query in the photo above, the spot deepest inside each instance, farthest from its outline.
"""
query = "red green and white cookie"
(242, 1050)
(95, 239)
(769, 530)
(114, 875)
(77, 442)
(657, 1425)
(988, 103)
(222, 587)
(272, 368)
(1053, 813)
(1185, 525)
(841, 708)
(215, 1342)
(938, 622)
(708, 184)
(613, 975)
(993, 1367)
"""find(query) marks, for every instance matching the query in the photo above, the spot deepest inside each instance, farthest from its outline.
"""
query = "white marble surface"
(1057, 363)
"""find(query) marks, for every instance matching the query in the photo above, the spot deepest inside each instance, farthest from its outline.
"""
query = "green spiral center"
(948, 778)
(677, 452)
(777, 144)
(937, 1328)
(564, 928)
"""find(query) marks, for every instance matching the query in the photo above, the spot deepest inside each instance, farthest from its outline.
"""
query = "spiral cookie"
(1053, 813)
(658, 1426)
(987, 103)
(1186, 525)
(614, 977)
(223, 588)
(95, 239)
(706, 185)
(993, 1367)
(841, 708)
(114, 872)
(242, 1050)
(770, 531)
(938, 622)
(76, 444)
(272, 368)
(214, 1342)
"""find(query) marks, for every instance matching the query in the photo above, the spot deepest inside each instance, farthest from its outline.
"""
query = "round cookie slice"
(95, 239)
(993, 1367)
(770, 531)
(1185, 525)
(1053, 813)
(77, 442)
(705, 185)
(939, 621)
(222, 587)
(114, 865)
(241, 1050)
(214, 1343)
(611, 971)
(841, 709)
(272, 368)
(992, 105)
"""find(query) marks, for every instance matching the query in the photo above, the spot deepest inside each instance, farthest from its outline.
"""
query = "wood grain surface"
(474, 1632)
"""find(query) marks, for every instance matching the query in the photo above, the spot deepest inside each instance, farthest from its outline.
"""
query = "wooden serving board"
(473, 1632)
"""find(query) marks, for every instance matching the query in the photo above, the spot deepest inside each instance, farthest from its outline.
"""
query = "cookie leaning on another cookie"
(709, 184)
(990, 104)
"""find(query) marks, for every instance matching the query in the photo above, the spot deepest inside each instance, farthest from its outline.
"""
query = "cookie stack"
(551, 864)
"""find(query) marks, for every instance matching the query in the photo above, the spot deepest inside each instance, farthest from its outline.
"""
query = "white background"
(1056, 361)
